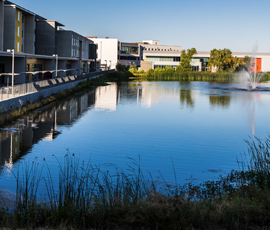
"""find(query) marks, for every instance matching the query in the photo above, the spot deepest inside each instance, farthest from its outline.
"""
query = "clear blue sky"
(208, 24)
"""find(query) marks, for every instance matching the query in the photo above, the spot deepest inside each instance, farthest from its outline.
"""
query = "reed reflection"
(186, 97)
(217, 100)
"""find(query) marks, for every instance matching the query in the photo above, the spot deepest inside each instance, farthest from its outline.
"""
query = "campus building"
(74, 45)
(43, 50)
(145, 54)
(107, 51)
(130, 53)
(19, 29)
(156, 55)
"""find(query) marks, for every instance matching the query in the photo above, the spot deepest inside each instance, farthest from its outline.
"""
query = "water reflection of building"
(106, 97)
(18, 139)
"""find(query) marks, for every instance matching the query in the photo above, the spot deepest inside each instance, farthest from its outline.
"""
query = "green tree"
(133, 68)
(169, 70)
(223, 60)
(150, 72)
(185, 60)
(158, 70)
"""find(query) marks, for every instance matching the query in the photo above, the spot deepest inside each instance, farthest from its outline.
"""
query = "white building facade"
(107, 51)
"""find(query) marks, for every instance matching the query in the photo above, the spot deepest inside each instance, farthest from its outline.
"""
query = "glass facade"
(129, 50)
(172, 59)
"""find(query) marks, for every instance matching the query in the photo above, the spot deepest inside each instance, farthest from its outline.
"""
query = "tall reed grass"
(194, 76)
(86, 197)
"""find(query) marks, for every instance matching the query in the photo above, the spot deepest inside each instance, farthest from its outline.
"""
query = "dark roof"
(24, 10)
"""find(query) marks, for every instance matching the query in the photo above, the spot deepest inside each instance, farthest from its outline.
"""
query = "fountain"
(251, 78)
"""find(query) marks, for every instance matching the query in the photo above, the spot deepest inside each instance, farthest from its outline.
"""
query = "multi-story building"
(74, 45)
(46, 37)
(107, 51)
(19, 29)
(40, 47)
(130, 53)
(146, 54)
(156, 55)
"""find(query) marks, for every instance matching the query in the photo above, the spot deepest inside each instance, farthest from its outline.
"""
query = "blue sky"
(208, 24)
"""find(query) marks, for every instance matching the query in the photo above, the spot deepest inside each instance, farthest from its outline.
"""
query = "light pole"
(56, 57)
(12, 81)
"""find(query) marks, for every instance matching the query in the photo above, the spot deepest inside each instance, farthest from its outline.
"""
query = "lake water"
(195, 125)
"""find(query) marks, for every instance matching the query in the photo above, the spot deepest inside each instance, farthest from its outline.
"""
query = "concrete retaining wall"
(22, 100)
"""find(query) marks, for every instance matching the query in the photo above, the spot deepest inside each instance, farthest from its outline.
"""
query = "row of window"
(129, 50)
(198, 59)
(158, 49)
(163, 66)
(172, 59)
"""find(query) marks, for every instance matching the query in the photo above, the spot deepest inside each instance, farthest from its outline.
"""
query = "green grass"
(88, 198)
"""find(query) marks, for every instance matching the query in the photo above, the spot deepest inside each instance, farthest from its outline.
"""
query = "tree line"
(221, 60)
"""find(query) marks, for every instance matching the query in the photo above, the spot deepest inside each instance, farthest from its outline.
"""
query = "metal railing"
(33, 87)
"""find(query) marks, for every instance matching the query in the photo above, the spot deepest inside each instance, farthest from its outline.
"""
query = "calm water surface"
(197, 126)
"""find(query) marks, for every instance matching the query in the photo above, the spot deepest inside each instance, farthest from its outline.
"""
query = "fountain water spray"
(248, 77)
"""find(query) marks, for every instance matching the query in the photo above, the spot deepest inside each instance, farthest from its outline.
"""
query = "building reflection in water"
(106, 97)
(17, 139)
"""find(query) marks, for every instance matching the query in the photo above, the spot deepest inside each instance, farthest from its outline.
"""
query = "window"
(19, 16)
(19, 31)
(18, 47)
(129, 50)
(164, 66)
(170, 59)
(22, 48)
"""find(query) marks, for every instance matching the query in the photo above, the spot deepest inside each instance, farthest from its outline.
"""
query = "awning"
(65, 70)
(4, 74)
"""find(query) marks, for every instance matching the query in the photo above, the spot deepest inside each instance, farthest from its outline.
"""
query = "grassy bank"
(14, 114)
(88, 198)
(193, 76)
